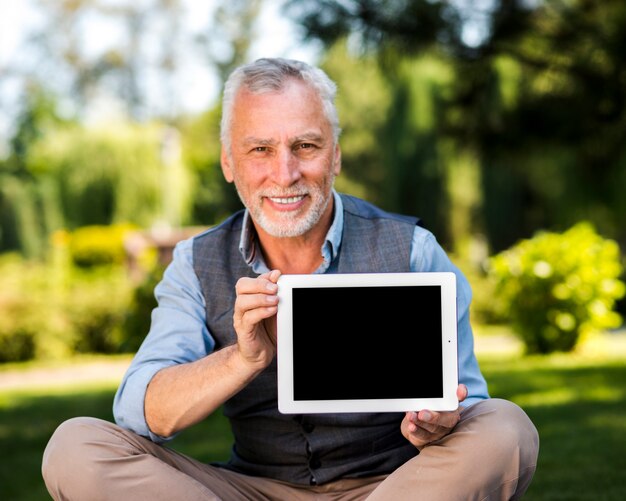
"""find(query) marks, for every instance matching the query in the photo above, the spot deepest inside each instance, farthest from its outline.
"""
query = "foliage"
(213, 198)
(533, 110)
(29, 209)
(136, 324)
(96, 305)
(112, 174)
(398, 158)
(31, 322)
(557, 287)
(39, 115)
(54, 309)
(92, 246)
(363, 172)
(21, 224)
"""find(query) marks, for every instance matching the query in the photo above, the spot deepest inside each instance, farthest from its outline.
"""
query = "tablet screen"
(366, 342)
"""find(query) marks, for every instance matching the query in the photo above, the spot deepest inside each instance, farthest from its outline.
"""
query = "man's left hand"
(423, 427)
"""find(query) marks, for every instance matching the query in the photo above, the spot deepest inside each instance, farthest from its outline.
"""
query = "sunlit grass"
(578, 403)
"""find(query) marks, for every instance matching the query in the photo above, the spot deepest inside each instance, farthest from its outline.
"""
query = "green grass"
(580, 412)
(29, 417)
(578, 403)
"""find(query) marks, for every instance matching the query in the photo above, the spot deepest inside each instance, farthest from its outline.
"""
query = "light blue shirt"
(179, 333)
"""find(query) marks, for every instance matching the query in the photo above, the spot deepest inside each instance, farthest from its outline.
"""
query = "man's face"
(283, 159)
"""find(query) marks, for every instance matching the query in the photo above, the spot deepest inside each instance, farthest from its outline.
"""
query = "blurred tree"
(213, 197)
(363, 104)
(228, 38)
(82, 183)
(562, 140)
(536, 101)
(414, 158)
(118, 68)
(111, 174)
(28, 206)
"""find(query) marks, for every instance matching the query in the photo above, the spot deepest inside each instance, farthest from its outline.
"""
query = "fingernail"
(426, 416)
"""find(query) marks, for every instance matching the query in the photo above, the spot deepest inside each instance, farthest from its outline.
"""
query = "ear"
(226, 164)
(337, 160)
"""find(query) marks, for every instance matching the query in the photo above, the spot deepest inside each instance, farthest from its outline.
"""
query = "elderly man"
(212, 343)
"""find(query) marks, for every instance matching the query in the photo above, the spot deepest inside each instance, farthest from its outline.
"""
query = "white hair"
(271, 75)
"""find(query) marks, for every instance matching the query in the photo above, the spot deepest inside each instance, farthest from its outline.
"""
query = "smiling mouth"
(287, 200)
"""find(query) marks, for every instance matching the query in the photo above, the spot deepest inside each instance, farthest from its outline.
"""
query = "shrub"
(54, 309)
(97, 303)
(98, 245)
(32, 323)
(137, 322)
(557, 287)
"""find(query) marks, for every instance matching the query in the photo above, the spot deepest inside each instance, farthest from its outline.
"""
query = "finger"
(254, 293)
(435, 421)
(251, 301)
(414, 434)
(263, 284)
(274, 275)
(425, 421)
(250, 309)
(461, 392)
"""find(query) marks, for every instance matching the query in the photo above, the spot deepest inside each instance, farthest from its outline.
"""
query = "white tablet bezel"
(286, 402)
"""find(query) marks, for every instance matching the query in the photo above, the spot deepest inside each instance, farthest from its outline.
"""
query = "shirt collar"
(248, 245)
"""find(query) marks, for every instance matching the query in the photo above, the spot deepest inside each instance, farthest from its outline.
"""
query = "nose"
(286, 168)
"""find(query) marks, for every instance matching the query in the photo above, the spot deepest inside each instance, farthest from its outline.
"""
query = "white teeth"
(287, 200)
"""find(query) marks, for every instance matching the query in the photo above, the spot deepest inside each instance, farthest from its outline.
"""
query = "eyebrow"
(258, 140)
(308, 136)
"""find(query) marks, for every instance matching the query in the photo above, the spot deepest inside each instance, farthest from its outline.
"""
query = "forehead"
(295, 109)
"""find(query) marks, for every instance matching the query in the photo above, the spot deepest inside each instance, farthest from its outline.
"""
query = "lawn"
(578, 403)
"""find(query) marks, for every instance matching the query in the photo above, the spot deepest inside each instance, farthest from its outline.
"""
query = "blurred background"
(491, 120)
(500, 123)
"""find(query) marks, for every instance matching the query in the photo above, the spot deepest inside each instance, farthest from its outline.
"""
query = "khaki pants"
(491, 454)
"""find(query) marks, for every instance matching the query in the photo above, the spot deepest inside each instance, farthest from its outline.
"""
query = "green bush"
(137, 322)
(33, 323)
(98, 245)
(97, 304)
(54, 309)
(554, 287)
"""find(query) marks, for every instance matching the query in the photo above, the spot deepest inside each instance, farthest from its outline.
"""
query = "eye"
(260, 149)
(305, 146)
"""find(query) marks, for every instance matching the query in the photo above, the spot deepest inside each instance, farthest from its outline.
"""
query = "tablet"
(367, 342)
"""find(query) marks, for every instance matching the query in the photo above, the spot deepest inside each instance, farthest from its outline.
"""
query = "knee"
(69, 456)
(505, 427)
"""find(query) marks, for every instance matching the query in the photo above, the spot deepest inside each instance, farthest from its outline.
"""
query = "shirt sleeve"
(428, 255)
(178, 334)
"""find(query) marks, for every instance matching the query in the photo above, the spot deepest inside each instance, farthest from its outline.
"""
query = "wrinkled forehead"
(294, 111)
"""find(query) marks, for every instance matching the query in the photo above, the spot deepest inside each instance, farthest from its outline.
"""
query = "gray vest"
(314, 448)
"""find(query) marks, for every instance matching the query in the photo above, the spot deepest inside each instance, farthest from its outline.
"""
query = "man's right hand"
(183, 394)
(254, 318)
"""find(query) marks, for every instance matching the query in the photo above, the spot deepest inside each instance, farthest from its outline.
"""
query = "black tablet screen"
(367, 342)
